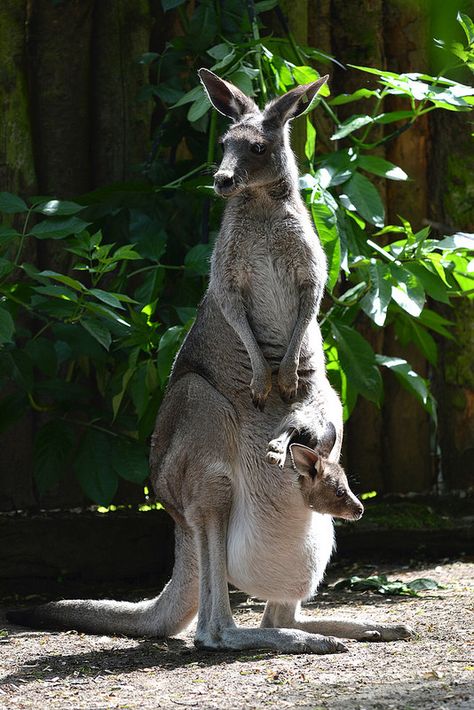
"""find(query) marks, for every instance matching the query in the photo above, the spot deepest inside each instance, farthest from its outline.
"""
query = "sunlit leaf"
(362, 196)
(375, 303)
(358, 361)
(379, 166)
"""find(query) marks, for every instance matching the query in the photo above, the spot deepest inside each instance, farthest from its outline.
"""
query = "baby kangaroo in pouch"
(250, 371)
(324, 485)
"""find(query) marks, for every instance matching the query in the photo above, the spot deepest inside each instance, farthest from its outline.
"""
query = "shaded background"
(73, 118)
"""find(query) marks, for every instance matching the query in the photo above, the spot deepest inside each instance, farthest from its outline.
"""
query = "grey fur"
(255, 339)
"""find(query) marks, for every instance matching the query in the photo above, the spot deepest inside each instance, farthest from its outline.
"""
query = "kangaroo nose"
(360, 511)
(224, 183)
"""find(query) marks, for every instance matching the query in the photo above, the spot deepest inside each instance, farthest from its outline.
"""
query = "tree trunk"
(17, 174)
(452, 209)
(407, 461)
(121, 126)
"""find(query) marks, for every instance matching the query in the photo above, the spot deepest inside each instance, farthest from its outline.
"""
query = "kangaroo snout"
(358, 511)
(224, 183)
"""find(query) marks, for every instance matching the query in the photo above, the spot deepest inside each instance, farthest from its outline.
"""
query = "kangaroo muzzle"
(224, 183)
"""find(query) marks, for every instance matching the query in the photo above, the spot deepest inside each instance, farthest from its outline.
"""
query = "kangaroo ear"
(327, 441)
(305, 460)
(225, 97)
(295, 103)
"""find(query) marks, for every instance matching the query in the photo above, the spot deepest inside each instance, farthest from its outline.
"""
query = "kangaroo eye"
(340, 492)
(258, 148)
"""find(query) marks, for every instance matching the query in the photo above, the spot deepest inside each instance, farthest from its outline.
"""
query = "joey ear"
(306, 461)
(225, 97)
(295, 103)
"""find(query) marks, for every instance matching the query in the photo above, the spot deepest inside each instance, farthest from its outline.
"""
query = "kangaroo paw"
(276, 453)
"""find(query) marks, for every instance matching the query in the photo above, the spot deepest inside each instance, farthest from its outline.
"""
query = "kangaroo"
(255, 339)
(324, 484)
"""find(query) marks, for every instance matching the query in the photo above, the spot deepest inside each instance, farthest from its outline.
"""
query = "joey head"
(324, 484)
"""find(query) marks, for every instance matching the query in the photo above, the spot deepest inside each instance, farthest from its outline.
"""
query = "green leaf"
(432, 320)
(117, 399)
(94, 469)
(393, 116)
(379, 166)
(381, 585)
(58, 228)
(6, 267)
(431, 282)
(355, 96)
(126, 253)
(129, 459)
(106, 297)
(57, 292)
(200, 107)
(148, 58)
(7, 326)
(413, 382)
(460, 240)
(52, 449)
(358, 360)
(219, 51)
(310, 144)
(12, 204)
(147, 235)
(410, 330)
(305, 74)
(63, 278)
(56, 208)
(365, 199)
(375, 303)
(190, 96)
(326, 227)
(424, 583)
(197, 259)
(337, 168)
(352, 124)
(407, 292)
(171, 4)
(167, 349)
(98, 331)
(7, 234)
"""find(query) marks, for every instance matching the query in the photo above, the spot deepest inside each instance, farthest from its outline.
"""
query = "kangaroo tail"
(165, 615)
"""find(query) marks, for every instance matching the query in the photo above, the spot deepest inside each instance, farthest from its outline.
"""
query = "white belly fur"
(276, 555)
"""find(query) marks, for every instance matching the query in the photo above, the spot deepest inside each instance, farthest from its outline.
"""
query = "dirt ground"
(433, 670)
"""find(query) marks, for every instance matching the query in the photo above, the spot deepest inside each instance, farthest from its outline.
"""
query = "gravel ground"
(433, 670)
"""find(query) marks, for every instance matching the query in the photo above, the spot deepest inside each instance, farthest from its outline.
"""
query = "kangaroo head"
(324, 484)
(256, 146)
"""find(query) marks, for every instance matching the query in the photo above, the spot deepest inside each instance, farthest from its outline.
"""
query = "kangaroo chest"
(271, 264)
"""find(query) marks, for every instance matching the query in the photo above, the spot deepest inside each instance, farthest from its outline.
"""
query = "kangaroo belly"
(277, 549)
(272, 301)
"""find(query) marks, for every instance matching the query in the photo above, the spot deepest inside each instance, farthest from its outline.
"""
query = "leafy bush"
(89, 346)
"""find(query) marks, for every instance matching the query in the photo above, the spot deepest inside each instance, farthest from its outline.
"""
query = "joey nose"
(224, 183)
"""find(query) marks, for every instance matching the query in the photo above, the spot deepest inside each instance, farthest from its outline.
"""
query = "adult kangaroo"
(252, 356)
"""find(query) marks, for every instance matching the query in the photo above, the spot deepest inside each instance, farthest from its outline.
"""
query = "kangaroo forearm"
(307, 311)
(234, 313)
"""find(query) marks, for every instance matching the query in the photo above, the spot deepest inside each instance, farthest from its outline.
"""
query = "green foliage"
(89, 343)
(381, 585)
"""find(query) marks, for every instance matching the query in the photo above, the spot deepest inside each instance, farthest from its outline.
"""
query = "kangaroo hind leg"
(288, 615)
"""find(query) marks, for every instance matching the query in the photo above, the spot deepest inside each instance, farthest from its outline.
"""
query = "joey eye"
(340, 492)
(258, 148)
